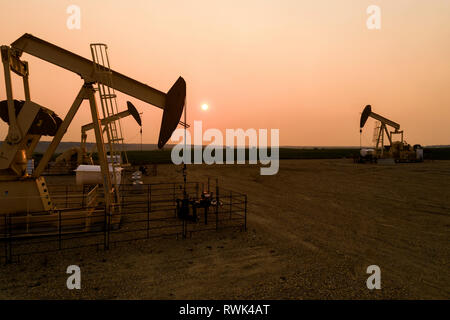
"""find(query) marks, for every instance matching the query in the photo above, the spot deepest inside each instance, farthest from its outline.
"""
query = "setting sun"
(205, 107)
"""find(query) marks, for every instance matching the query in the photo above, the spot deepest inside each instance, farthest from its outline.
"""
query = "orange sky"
(305, 67)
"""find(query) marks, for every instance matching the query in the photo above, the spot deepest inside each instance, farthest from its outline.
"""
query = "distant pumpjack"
(399, 151)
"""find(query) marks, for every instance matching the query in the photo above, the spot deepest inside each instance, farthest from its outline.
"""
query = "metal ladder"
(108, 101)
(376, 132)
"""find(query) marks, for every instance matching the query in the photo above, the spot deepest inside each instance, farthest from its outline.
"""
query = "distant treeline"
(164, 156)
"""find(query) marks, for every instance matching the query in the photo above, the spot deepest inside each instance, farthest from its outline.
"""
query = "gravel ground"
(313, 230)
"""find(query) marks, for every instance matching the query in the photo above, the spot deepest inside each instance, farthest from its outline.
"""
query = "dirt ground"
(313, 229)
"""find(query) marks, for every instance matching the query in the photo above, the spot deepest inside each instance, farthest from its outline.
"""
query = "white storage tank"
(91, 174)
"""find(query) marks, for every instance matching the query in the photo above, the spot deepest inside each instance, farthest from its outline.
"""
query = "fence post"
(217, 204)
(10, 238)
(59, 230)
(149, 208)
(174, 199)
(110, 216)
(8, 243)
(105, 231)
(184, 229)
(196, 190)
(83, 201)
(231, 202)
(245, 214)
(122, 193)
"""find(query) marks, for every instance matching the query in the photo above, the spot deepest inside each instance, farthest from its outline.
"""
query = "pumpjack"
(398, 151)
(22, 194)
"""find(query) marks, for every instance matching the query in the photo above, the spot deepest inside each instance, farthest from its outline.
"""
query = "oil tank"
(92, 174)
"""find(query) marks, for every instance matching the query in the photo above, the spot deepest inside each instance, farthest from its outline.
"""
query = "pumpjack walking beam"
(171, 102)
(130, 112)
(85, 69)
